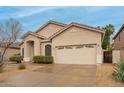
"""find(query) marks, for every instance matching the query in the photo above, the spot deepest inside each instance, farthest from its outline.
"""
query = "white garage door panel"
(76, 56)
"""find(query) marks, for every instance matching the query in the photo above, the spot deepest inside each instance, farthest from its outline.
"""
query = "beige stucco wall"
(21, 46)
(119, 43)
(37, 47)
(122, 54)
(43, 47)
(115, 56)
(10, 52)
(75, 35)
(49, 30)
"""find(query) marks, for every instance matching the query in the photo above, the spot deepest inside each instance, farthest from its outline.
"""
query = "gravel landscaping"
(104, 76)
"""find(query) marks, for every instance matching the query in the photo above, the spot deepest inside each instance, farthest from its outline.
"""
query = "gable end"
(51, 22)
(122, 27)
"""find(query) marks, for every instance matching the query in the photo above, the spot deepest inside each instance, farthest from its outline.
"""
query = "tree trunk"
(1, 58)
(1, 66)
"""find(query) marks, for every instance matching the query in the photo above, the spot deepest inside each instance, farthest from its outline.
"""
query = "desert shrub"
(43, 59)
(21, 66)
(119, 70)
(17, 58)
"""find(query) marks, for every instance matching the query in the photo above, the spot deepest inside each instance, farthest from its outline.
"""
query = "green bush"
(48, 60)
(21, 66)
(119, 71)
(37, 59)
(43, 59)
(17, 58)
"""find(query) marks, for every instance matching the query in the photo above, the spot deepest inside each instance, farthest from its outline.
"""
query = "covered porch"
(31, 48)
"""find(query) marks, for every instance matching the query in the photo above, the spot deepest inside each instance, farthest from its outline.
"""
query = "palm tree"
(109, 30)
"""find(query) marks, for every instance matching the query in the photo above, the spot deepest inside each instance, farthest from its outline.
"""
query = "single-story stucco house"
(12, 50)
(72, 43)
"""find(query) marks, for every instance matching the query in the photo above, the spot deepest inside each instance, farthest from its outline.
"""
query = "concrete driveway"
(56, 75)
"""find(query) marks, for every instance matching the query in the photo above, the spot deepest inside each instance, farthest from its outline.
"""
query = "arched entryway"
(48, 50)
(30, 49)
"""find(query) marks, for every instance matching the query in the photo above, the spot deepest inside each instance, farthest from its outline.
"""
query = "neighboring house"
(13, 49)
(69, 44)
(119, 41)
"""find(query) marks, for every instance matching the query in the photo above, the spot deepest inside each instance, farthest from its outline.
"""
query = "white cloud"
(20, 12)
(31, 11)
(95, 8)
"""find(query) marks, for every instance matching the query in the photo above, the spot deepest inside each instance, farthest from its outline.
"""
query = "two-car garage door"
(76, 54)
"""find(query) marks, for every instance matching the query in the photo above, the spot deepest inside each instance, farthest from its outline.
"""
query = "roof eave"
(122, 27)
(89, 27)
(75, 24)
(31, 33)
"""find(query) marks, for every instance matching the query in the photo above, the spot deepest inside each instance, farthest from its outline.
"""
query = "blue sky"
(33, 17)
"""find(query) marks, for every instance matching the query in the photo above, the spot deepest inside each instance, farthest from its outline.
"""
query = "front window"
(48, 50)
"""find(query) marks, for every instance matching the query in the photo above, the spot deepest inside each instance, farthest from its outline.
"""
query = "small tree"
(109, 30)
(9, 33)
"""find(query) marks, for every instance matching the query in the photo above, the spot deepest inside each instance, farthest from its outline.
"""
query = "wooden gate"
(107, 57)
